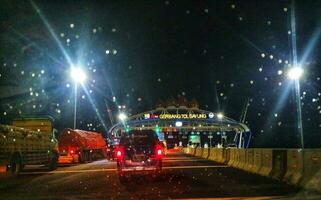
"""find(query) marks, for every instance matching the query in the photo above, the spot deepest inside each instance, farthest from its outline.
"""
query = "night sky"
(136, 52)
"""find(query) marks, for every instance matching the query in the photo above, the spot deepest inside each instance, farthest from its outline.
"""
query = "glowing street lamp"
(122, 117)
(79, 76)
(295, 73)
(220, 116)
(178, 124)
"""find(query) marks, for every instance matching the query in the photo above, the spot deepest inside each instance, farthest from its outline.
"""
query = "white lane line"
(165, 161)
(114, 169)
(70, 171)
(241, 198)
(181, 158)
(196, 167)
(186, 159)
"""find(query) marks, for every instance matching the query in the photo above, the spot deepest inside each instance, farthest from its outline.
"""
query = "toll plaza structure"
(185, 124)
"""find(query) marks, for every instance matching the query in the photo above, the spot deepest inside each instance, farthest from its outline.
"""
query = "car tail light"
(159, 152)
(72, 151)
(119, 153)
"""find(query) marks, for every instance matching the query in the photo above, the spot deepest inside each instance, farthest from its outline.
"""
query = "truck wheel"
(15, 165)
(53, 162)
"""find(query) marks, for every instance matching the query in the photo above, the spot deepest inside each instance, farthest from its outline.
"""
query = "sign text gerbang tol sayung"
(183, 116)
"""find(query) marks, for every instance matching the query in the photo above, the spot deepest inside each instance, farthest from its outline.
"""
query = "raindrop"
(263, 55)
(280, 72)
(72, 25)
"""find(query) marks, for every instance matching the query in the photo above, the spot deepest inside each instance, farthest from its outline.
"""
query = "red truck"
(81, 146)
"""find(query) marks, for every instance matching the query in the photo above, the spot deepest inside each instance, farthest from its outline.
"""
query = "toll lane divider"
(294, 166)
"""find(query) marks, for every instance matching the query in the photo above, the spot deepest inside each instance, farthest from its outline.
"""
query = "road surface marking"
(239, 198)
(189, 160)
(181, 158)
(196, 167)
(114, 169)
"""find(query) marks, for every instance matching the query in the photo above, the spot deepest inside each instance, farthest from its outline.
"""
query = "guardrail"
(293, 166)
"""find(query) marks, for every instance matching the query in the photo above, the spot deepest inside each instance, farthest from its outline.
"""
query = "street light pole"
(75, 106)
(295, 74)
(79, 76)
(299, 111)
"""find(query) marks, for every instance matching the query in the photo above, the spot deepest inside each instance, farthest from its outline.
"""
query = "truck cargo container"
(21, 146)
(81, 146)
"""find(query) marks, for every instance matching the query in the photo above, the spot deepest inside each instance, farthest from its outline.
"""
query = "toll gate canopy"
(181, 125)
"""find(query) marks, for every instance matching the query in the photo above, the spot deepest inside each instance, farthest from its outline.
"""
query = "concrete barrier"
(249, 160)
(220, 152)
(232, 159)
(226, 156)
(267, 162)
(206, 153)
(242, 159)
(188, 150)
(279, 163)
(199, 152)
(311, 178)
(212, 154)
(257, 161)
(237, 159)
(294, 170)
(296, 167)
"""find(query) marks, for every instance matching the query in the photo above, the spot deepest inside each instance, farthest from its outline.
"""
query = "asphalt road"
(183, 177)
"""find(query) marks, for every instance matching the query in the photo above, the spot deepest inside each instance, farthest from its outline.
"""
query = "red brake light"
(158, 151)
(119, 153)
(71, 151)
